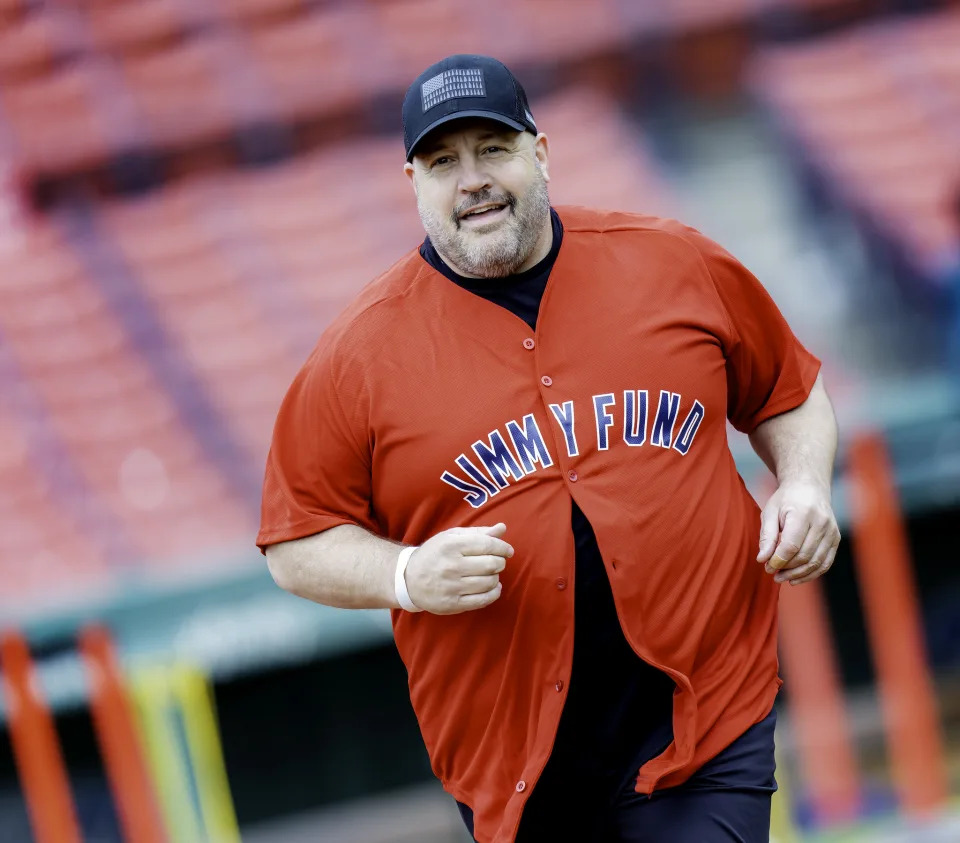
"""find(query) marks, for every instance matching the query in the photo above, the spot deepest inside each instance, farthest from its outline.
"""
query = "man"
(559, 378)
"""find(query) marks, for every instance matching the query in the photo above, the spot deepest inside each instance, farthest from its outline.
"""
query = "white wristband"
(400, 583)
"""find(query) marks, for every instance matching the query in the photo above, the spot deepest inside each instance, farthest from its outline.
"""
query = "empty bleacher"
(121, 459)
(85, 85)
(875, 114)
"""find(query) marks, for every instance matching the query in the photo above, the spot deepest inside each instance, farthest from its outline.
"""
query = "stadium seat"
(205, 84)
(875, 112)
(66, 121)
(107, 408)
(207, 296)
(12, 11)
(320, 63)
(571, 33)
(626, 177)
(183, 92)
(254, 14)
(141, 27)
(41, 544)
(35, 45)
(420, 32)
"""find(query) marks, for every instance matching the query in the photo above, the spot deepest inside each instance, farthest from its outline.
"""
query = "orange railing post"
(119, 740)
(43, 774)
(817, 709)
(817, 706)
(883, 564)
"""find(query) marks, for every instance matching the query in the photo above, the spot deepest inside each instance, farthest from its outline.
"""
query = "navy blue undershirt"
(615, 701)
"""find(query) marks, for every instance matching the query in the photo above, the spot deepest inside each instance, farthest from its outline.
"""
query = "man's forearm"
(800, 445)
(345, 566)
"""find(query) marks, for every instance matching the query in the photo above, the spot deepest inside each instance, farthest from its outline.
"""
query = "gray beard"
(507, 250)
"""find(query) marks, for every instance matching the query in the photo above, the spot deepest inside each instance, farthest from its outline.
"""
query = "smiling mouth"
(487, 213)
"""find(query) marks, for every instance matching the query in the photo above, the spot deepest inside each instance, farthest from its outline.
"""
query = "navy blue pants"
(725, 801)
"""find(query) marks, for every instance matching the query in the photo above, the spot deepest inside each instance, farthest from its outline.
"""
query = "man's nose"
(473, 178)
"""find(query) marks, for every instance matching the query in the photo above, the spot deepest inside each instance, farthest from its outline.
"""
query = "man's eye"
(494, 149)
(443, 159)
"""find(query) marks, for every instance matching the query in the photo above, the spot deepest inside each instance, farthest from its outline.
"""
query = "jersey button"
(573, 476)
(521, 786)
(546, 380)
(561, 584)
(528, 343)
(559, 685)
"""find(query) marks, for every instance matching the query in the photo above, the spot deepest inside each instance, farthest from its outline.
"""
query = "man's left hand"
(798, 533)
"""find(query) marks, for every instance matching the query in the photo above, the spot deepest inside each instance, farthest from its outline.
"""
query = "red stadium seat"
(121, 429)
(578, 122)
(420, 32)
(571, 33)
(35, 45)
(209, 304)
(66, 121)
(183, 92)
(320, 63)
(12, 11)
(254, 14)
(40, 544)
(878, 111)
(140, 27)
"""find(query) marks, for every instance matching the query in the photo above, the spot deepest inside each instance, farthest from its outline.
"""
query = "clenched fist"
(798, 533)
(458, 570)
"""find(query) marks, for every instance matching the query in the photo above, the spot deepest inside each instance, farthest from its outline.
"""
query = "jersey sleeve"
(318, 468)
(768, 370)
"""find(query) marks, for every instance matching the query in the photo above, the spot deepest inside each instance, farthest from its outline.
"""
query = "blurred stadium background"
(191, 189)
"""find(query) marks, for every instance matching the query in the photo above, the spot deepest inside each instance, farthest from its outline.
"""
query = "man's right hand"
(458, 570)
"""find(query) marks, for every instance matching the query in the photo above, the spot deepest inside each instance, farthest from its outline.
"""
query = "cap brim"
(489, 115)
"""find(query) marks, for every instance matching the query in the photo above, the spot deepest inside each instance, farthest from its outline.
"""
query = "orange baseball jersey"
(426, 407)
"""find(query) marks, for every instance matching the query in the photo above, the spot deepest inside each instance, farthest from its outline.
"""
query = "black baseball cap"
(463, 85)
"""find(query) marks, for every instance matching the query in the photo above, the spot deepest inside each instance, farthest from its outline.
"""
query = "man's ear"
(409, 172)
(541, 149)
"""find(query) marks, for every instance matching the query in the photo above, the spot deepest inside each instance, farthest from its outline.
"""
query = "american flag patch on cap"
(452, 83)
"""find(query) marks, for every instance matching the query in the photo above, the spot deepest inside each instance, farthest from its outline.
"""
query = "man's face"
(482, 195)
